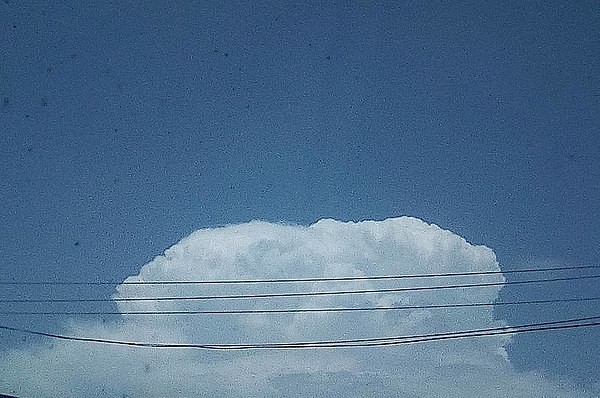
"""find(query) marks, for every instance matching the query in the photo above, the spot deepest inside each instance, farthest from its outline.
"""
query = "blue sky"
(126, 126)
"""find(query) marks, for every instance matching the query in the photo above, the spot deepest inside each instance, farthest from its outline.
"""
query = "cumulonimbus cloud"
(261, 250)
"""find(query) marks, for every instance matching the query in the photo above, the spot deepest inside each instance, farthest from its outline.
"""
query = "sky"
(127, 129)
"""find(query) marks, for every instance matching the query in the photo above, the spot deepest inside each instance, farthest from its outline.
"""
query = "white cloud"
(466, 368)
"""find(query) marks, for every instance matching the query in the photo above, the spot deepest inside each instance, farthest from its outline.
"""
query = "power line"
(441, 337)
(354, 343)
(299, 294)
(300, 280)
(426, 337)
(304, 310)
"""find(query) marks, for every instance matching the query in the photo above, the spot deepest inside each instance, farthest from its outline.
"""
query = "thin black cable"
(300, 280)
(356, 343)
(449, 336)
(378, 340)
(298, 294)
(303, 310)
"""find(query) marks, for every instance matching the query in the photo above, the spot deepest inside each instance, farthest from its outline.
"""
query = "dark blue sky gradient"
(126, 126)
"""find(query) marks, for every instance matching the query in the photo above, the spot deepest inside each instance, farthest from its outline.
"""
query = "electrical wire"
(300, 280)
(303, 310)
(354, 343)
(426, 337)
(299, 294)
